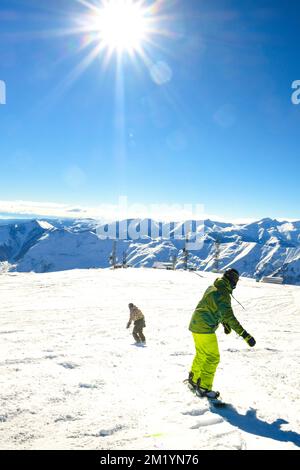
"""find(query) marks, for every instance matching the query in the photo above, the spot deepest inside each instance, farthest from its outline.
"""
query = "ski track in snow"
(72, 378)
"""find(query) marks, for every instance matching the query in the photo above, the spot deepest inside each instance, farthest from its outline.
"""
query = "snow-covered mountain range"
(264, 248)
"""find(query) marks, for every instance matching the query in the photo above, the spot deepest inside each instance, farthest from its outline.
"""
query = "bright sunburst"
(122, 25)
(115, 28)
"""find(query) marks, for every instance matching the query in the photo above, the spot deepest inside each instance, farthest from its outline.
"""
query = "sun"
(109, 30)
(122, 25)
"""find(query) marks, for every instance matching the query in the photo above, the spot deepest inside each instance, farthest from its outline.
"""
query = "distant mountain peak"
(263, 248)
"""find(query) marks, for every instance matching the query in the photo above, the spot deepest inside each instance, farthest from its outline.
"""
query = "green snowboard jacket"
(215, 308)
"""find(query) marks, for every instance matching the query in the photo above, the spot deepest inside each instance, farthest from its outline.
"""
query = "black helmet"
(233, 276)
(130, 305)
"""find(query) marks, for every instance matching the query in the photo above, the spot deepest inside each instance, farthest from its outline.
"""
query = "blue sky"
(221, 130)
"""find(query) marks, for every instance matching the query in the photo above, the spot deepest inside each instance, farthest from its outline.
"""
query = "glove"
(249, 339)
(128, 325)
(227, 328)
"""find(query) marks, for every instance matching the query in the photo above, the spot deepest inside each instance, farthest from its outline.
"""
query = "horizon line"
(108, 213)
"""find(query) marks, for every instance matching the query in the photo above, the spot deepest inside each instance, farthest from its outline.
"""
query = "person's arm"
(228, 317)
(248, 338)
(230, 321)
(227, 329)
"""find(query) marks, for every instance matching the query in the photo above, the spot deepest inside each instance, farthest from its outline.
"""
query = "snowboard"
(215, 402)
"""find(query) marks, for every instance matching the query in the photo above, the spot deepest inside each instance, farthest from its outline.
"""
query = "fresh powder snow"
(72, 377)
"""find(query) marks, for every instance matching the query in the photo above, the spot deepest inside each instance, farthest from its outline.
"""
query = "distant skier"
(138, 318)
(214, 308)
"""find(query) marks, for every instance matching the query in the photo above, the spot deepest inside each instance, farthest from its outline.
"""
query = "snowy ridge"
(264, 248)
(73, 379)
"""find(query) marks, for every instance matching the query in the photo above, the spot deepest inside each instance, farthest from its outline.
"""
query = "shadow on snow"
(252, 424)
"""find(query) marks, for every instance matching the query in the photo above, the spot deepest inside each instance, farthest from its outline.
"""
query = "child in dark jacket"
(138, 318)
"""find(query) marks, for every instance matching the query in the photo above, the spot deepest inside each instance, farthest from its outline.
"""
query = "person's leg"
(141, 335)
(206, 359)
(139, 325)
(135, 334)
(198, 359)
(211, 360)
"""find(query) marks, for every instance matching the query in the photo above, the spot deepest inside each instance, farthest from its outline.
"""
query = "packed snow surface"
(72, 378)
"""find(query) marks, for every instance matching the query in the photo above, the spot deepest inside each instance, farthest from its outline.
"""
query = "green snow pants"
(206, 360)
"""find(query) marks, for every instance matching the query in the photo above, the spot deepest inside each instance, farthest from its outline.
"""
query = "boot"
(203, 392)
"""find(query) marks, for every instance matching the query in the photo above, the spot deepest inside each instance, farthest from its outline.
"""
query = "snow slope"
(71, 377)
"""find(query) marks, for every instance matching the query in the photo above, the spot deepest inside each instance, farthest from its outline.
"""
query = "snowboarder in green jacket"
(214, 308)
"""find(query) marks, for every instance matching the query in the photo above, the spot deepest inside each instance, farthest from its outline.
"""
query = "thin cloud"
(108, 212)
